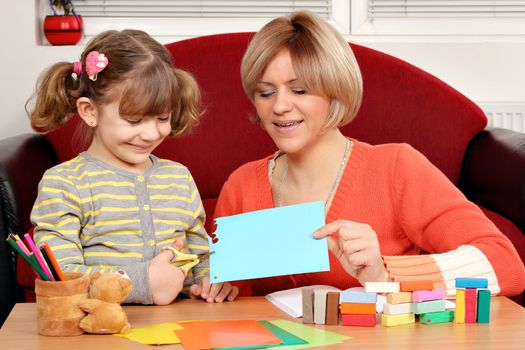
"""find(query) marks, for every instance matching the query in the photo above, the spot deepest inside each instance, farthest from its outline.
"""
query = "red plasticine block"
(359, 320)
(470, 305)
(411, 286)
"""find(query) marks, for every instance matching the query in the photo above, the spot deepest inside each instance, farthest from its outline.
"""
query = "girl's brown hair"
(150, 84)
(321, 57)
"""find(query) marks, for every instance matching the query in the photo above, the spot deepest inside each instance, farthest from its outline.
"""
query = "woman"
(385, 204)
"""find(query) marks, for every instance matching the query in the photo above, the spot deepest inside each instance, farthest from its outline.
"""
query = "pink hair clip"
(95, 63)
(77, 69)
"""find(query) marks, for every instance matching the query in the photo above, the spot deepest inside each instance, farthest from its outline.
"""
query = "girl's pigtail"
(189, 107)
(53, 100)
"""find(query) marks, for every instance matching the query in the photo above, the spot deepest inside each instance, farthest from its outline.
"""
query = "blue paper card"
(269, 242)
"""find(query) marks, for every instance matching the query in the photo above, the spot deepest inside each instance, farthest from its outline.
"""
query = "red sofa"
(401, 104)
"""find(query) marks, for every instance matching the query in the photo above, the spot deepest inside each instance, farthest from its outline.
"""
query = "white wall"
(484, 70)
(21, 61)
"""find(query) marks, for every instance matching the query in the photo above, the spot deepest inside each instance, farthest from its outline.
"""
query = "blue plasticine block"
(472, 283)
(348, 296)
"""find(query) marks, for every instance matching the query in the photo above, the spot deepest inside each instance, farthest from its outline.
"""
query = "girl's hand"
(357, 248)
(165, 280)
(213, 292)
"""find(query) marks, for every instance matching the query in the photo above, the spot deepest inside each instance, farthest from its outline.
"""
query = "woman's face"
(292, 116)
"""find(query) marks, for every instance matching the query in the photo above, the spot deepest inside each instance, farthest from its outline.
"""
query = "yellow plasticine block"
(399, 298)
(459, 317)
(396, 320)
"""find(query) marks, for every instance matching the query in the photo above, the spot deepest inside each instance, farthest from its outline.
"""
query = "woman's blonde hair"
(321, 57)
(150, 84)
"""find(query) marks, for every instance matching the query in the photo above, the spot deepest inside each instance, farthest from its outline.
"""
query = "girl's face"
(292, 116)
(127, 141)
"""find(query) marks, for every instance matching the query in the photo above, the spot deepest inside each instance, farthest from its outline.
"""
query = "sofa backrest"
(401, 104)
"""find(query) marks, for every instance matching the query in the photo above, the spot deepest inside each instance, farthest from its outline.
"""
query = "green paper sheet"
(286, 337)
(314, 336)
(159, 334)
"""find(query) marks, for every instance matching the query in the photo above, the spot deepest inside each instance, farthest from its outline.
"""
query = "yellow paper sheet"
(159, 334)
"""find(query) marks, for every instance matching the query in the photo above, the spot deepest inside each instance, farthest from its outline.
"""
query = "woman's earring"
(92, 123)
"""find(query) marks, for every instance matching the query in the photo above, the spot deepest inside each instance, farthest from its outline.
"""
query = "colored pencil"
(20, 243)
(54, 262)
(48, 262)
(37, 255)
(32, 262)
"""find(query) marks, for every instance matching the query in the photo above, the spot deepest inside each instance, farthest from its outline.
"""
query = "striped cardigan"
(97, 217)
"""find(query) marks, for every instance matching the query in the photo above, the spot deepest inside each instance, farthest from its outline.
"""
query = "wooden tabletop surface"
(506, 329)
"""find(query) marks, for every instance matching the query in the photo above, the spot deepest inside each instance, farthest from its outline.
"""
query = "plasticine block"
(427, 295)
(396, 320)
(472, 283)
(471, 300)
(332, 308)
(308, 305)
(396, 309)
(437, 317)
(382, 287)
(460, 306)
(428, 306)
(357, 309)
(410, 286)
(348, 296)
(320, 306)
(483, 306)
(399, 298)
(358, 320)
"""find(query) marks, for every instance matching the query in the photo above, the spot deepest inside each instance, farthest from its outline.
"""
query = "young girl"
(117, 206)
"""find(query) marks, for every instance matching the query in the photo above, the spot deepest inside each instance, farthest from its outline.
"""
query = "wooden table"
(506, 329)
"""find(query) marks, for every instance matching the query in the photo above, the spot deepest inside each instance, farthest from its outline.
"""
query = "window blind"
(199, 9)
(446, 8)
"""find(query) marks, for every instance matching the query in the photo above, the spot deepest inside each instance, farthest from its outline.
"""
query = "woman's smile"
(286, 126)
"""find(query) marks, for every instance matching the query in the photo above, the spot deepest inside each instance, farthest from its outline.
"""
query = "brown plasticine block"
(332, 308)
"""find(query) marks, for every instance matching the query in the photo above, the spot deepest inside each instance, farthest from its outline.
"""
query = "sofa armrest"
(493, 173)
(23, 160)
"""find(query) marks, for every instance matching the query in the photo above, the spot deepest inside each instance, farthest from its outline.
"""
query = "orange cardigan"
(426, 228)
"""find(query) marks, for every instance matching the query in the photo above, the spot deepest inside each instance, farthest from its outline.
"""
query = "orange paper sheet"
(224, 334)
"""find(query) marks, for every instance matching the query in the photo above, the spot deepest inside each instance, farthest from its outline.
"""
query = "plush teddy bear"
(104, 313)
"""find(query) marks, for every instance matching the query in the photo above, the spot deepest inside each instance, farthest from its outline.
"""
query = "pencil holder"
(58, 314)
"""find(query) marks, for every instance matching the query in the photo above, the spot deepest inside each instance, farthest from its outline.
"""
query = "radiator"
(505, 115)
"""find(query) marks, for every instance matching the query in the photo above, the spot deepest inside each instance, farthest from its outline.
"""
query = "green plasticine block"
(437, 317)
(428, 306)
(483, 306)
